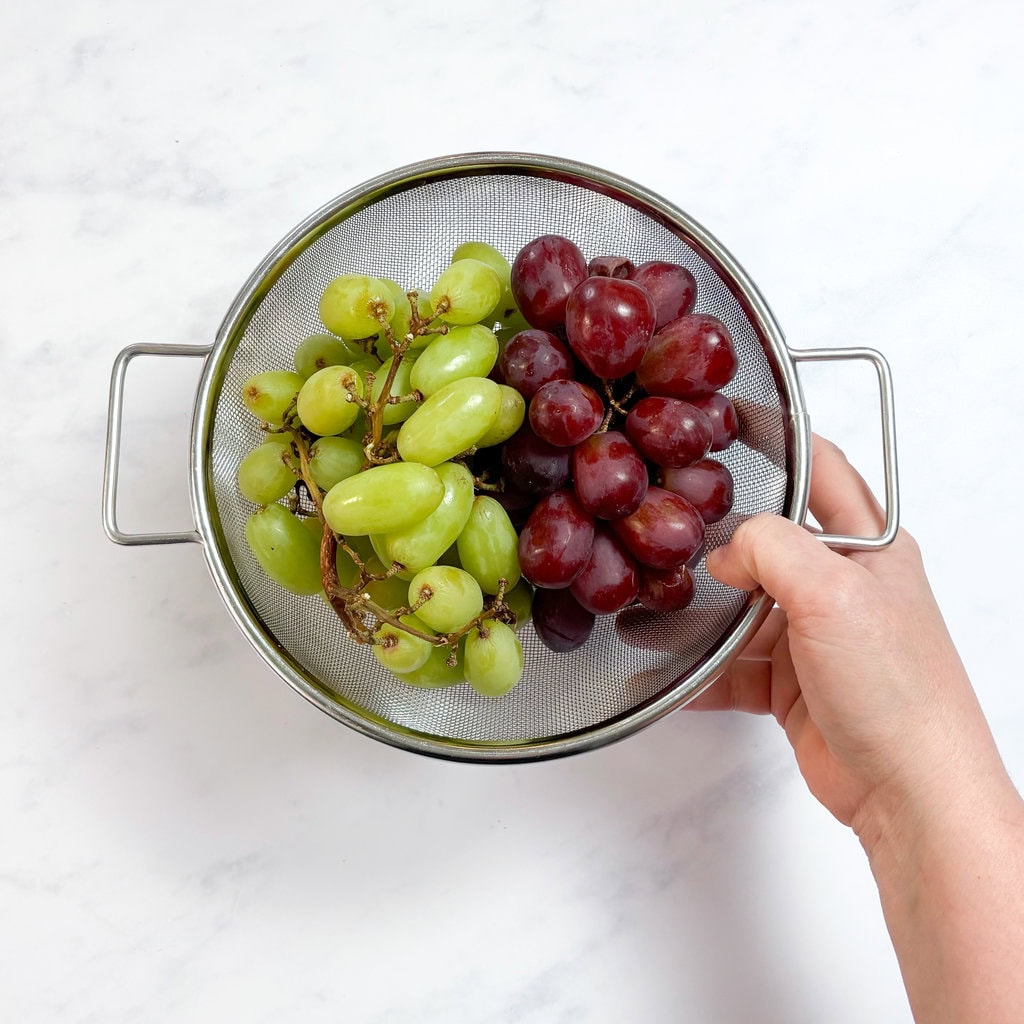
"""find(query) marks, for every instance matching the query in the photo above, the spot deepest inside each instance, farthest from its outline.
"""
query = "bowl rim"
(266, 273)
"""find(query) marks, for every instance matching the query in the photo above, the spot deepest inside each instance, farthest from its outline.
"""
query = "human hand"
(855, 662)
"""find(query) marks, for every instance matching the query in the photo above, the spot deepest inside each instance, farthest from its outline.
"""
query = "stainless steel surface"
(890, 470)
(404, 225)
(112, 459)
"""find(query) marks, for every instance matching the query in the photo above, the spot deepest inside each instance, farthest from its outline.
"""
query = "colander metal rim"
(215, 545)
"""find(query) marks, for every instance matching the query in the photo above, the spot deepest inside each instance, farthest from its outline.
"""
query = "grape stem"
(361, 616)
(615, 405)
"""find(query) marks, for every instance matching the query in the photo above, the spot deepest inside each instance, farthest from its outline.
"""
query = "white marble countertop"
(185, 839)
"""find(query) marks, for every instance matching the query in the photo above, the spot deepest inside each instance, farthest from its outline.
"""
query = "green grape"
(281, 436)
(350, 305)
(435, 672)
(348, 571)
(268, 395)
(453, 597)
(360, 544)
(401, 319)
(486, 254)
(381, 551)
(368, 364)
(401, 325)
(520, 602)
(266, 473)
(510, 418)
(383, 499)
(466, 292)
(510, 324)
(286, 550)
(390, 594)
(496, 261)
(319, 351)
(382, 348)
(333, 459)
(462, 352)
(326, 402)
(450, 421)
(313, 524)
(400, 386)
(401, 651)
(423, 543)
(489, 546)
(358, 429)
(494, 658)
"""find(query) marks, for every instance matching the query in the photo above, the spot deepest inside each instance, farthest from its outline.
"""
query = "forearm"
(950, 874)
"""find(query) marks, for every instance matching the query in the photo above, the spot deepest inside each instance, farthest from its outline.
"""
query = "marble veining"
(185, 838)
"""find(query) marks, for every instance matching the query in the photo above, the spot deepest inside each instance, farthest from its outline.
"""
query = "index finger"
(839, 497)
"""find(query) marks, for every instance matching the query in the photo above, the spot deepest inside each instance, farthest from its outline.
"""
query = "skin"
(857, 666)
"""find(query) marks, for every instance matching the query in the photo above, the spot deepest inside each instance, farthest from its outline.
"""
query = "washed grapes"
(524, 444)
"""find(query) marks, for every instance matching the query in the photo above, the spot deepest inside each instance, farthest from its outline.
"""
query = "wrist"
(898, 821)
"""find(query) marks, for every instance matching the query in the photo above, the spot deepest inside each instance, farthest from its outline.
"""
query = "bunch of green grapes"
(366, 481)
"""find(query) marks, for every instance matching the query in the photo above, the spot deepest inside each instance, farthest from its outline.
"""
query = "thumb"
(783, 558)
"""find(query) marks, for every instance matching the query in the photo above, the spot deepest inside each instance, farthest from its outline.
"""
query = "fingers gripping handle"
(113, 451)
(889, 466)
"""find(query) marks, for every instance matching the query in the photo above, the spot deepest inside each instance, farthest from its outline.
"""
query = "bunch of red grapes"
(609, 480)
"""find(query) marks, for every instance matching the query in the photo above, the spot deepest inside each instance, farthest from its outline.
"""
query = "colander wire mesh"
(409, 235)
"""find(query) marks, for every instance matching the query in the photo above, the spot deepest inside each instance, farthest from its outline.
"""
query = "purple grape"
(544, 273)
(672, 288)
(531, 464)
(707, 485)
(609, 475)
(665, 590)
(565, 412)
(560, 621)
(609, 324)
(725, 423)
(611, 266)
(532, 359)
(556, 542)
(689, 357)
(669, 431)
(664, 531)
(610, 579)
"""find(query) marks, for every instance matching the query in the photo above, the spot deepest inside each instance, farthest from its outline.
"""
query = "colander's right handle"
(892, 496)
(113, 453)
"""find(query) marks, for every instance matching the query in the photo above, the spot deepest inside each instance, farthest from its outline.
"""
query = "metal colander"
(404, 225)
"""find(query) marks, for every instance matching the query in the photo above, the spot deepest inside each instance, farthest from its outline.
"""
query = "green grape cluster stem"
(358, 612)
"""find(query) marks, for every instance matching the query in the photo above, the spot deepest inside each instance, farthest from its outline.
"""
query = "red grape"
(609, 324)
(609, 476)
(560, 621)
(517, 503)
(664, 531)
(672, 288)
(532, 465)
(665, 590)
(531, 359)
(610, 579)
(690, 356)
(610, 266)
(565, 412)
(556, 542)
(707, 485)
(725, 423)
(543, 275)
(669, 431)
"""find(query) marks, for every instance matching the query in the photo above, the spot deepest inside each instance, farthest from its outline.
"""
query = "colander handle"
(113, 453)
(889, 468)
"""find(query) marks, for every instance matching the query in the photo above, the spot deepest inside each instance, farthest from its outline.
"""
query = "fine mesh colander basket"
(404, 225)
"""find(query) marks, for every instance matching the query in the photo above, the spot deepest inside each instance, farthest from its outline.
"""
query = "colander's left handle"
(113, 454)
